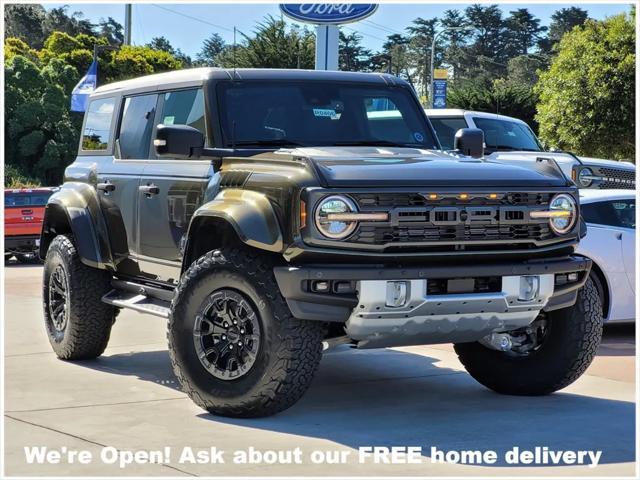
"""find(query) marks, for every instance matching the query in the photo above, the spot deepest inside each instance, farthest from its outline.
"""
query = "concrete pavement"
(421, 396)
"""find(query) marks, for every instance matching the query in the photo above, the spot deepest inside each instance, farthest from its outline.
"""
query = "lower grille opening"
(444, 286)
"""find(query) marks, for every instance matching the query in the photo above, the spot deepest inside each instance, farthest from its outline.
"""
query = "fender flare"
(75, 209)
(249, 213)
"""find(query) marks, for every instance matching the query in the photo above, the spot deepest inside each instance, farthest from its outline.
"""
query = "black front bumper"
(334, 307)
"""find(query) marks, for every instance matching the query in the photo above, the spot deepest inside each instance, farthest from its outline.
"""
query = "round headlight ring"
(583, 177)
(335, 230)
(563, 202)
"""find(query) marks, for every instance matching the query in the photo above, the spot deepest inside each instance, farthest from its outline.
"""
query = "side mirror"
(180, 141)
(470, 141)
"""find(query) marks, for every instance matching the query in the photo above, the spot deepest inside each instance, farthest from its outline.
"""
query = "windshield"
(283, 113)
(446, 128)
(21, 199)
(503, 135)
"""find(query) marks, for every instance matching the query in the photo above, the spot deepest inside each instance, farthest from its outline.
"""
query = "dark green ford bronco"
(268, 214)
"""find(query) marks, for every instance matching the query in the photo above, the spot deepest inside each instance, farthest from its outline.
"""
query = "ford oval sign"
(328, 13)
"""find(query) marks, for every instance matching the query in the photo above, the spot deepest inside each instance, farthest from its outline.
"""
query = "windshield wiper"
(508, 148)
(275, 142)
(376, 143)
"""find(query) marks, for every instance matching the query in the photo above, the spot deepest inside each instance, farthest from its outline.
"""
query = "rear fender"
(75, 209)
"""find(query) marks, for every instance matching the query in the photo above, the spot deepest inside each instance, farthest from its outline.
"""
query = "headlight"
(585, 177)
(564, 212)
(335, 229)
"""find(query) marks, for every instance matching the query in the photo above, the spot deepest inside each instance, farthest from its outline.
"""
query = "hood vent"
(234, 179)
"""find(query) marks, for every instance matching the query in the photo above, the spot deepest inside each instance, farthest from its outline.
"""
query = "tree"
(111, 30)
(422, 32)
(523, 69)
(57, 20)
(211, 49)
(499, 96)
(352, 56)
(562, 21)
(24, 21)
(523, 31)
(274, 45)
(587, 97)
(488, 46)
(41, 133)
(454, 51)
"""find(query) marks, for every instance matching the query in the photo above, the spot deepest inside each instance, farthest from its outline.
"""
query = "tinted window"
(446, 129)
(615, 213)
(320, 113)
(98, 124)
(136, 126)
(501, 135)
(26, 199)
(184, 107)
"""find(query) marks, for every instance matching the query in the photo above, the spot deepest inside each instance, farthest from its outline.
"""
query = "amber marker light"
(493, 196)
(303, 214)
(433, 196)
(463, 196)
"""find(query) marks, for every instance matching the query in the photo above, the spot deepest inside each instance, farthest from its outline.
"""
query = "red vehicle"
(23, 215)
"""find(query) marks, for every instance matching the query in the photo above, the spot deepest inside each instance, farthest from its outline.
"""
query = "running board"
(138, 302)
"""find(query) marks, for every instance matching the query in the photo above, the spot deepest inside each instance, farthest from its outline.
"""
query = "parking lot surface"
(418, 396)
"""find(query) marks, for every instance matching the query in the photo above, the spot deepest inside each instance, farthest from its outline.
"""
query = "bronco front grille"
(414, 219)
(616, 178)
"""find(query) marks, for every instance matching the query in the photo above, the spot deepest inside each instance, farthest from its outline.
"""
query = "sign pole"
(327, 37)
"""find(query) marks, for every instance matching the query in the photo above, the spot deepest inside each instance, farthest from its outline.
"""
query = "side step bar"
(141, 298)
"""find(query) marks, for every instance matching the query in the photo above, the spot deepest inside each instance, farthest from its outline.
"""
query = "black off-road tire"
(570, 344)
(88, 319)
(289, 352)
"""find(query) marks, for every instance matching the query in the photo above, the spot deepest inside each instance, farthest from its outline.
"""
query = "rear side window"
(97, 127)
(446, 129)
(136, 126)
(614, 213)
(26, 199)
(184, 107)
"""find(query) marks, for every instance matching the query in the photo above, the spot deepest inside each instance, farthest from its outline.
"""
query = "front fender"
(75, 209)
(249, 213)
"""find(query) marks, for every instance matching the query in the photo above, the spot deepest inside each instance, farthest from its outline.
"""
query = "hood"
(395, 167)
(601, 162)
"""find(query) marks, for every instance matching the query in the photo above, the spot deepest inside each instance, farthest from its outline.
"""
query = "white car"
(511, 139)
(610, 242)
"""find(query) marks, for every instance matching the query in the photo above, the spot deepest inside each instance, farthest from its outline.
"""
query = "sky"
(187, 25)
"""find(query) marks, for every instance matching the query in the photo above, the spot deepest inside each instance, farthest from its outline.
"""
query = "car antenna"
(234, 52)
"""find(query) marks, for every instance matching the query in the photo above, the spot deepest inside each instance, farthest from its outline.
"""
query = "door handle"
(106, 187)
(149, 190)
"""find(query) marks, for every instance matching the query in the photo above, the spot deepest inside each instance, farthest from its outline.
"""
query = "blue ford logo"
(328, 13)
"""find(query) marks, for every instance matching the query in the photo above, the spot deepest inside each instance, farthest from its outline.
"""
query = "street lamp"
(433, 49)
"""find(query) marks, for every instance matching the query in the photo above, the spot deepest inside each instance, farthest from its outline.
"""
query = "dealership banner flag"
(84, 88)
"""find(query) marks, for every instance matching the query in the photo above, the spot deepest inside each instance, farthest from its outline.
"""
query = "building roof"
(194, 75)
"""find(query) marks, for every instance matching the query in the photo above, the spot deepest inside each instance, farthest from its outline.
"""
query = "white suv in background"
(510, 139)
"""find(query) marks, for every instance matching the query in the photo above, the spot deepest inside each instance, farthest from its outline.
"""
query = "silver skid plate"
(429, 319)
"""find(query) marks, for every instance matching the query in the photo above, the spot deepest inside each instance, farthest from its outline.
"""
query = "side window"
(184, 107)
(616, 213)
(136, 126)
(97, 127)
(625, 211)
